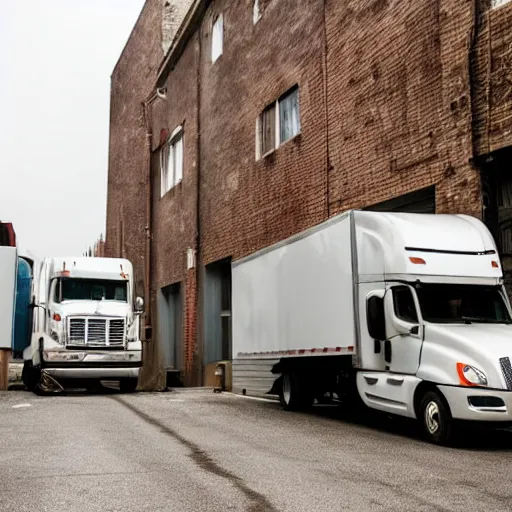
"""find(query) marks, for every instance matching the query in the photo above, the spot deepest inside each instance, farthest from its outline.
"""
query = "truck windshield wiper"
(483, 320)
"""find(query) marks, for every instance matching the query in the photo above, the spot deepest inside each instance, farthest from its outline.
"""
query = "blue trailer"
(23, 312)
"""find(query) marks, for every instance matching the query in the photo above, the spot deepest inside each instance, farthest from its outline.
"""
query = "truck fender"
(38, 340)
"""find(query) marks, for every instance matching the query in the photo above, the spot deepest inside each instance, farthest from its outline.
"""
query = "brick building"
(262, 118)
(99, 248)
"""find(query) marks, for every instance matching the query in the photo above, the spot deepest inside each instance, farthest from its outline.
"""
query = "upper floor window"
(499, 3)
(217, 37)
(171, 161)
(279, 122)
(256, 11)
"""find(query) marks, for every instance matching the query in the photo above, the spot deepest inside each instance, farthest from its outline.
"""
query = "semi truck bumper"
(479, 404)
(68, 364)
(93, 373)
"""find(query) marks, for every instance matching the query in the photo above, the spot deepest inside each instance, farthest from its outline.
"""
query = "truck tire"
(128, 385)
(295, 395)
(30, 375)
(436, 418)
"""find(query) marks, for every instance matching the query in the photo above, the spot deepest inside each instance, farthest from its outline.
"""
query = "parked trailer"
(8, 270)
(404, 312)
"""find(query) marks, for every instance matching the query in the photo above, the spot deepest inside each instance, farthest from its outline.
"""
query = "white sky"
(56, 58)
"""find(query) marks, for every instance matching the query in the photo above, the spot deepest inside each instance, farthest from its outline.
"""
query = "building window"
(499, 3)
(171, 161)
(217, 37)
(268, 129)
(279, 122)
(289, 115)
(256, 11)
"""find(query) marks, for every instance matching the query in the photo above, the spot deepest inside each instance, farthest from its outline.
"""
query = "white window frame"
(495, 4)
(171, 172)
(277, 128)
(217, 37)
(256, 12)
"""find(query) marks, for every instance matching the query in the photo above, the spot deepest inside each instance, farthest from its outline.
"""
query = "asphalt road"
(197, 451)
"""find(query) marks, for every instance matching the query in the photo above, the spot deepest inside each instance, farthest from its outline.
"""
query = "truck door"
(404, 330)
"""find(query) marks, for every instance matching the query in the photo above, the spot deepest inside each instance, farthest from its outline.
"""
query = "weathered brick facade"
(395, 96)
(493, 77)
(398, 113)
(131, 82)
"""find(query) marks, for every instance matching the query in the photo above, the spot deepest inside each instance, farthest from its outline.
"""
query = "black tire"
(295, 393)
(128, 385)
(436, 418)
(30, 376)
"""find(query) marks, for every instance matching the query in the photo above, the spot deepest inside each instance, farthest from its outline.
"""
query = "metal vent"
(116, 332)
(76, 331)
(506, 368)
(96, 332)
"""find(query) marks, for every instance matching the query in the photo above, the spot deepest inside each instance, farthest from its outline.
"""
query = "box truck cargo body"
(405, 312)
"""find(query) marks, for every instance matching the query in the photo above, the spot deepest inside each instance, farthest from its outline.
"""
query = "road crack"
(258, 502)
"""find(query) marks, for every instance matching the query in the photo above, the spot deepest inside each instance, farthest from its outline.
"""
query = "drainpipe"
(199, 256)
(146, 106)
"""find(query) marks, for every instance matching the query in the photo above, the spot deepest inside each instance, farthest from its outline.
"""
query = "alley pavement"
(193, 450)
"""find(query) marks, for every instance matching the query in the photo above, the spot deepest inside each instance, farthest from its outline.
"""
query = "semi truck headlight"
(56, 355)
(471, 376)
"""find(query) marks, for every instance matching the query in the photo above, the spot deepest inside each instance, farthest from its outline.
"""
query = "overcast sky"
(56, 58)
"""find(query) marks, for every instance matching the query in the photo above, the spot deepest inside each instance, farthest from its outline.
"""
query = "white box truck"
(406, 312)
(86, 323)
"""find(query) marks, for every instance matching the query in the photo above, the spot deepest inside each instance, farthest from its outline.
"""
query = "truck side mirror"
(375, 317)
(139, 305)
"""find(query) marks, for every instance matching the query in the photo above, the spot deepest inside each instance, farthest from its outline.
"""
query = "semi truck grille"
(506, 368)
(96, 332)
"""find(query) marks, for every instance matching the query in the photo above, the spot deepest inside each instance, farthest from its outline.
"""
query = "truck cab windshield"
(453, 303)
(90, 289)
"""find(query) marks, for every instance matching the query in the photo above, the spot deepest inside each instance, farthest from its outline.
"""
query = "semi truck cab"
(441, 324)
(86, 325)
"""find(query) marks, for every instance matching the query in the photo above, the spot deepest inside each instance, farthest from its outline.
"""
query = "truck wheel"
(30, 375)
(128, 385)
(436, 418)
(295, 394)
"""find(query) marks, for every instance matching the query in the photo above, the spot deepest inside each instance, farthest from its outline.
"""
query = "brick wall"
(131, 82)
(174, 225)
(398, 102)
(248, 204)
(493, 76)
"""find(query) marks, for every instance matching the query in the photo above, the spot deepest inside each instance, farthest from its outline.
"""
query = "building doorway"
(497, 205)
(170, 335)
(217, 312)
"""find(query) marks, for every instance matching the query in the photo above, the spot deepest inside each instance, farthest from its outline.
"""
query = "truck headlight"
(60, 356)
(471, 376)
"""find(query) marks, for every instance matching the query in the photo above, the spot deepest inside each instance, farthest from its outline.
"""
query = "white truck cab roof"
(399, 244)
(84, 267)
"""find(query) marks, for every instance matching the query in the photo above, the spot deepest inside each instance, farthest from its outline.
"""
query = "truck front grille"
(116, 332)
(96, 332)
(506, 368)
